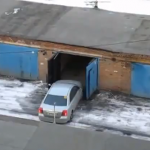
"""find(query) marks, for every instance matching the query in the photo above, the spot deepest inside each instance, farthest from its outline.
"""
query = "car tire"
(71, 117)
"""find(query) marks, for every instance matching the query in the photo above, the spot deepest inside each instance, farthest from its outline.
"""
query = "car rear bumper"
(51, 120)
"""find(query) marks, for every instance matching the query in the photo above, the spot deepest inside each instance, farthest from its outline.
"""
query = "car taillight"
(40, 110)
(64, 113)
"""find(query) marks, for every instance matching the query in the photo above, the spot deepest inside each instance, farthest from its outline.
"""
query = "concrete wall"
(115, 75)
(60, 137)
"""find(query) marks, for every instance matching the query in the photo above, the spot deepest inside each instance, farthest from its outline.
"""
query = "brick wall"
(43, 68)
(115, 75)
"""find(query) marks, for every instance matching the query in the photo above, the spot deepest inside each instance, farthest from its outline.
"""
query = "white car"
(65, 95)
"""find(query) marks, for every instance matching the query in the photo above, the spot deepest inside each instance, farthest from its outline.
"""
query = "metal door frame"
(54, 71)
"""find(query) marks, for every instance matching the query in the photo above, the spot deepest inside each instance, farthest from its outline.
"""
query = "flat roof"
(99, 29)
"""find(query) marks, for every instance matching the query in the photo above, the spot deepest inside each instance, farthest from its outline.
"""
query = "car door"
(78, 95)
(74, 97)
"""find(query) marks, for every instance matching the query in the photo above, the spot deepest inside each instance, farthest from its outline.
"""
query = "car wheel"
(71, 117)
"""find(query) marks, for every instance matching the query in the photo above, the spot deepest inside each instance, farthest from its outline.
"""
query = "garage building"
(102, 49)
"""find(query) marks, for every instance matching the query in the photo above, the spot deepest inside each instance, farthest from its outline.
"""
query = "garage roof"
(76, 26)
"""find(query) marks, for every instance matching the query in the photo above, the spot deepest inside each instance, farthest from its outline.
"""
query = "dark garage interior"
(72, 67)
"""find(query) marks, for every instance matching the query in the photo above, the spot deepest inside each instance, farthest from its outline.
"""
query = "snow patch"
(79, 125)
(124, 6)
(16, 98)
(24, 116)
(116, 112)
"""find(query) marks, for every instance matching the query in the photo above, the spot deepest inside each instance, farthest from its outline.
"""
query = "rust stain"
(75, 49)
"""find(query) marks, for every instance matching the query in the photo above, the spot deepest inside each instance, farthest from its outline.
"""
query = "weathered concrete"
(14, 136)
(56, 137)
(19, 120)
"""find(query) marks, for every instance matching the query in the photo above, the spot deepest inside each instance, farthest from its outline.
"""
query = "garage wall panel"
(140, 80)
(115, 75)
(20, 62)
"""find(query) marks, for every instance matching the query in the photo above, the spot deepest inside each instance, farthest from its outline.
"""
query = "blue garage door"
(91, 77)
(140, 80)
(18, 61)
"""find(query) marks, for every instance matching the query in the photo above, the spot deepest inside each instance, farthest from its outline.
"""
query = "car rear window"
(58, 100)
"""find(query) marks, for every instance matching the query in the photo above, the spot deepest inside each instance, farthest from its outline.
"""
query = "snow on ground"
(20, 99)
(119, 112)
(113, 111)
(123, 6)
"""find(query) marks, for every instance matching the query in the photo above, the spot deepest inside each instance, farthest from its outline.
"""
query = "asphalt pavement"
(15, 136)
(45, 136)
(59, 137)
(107, 111)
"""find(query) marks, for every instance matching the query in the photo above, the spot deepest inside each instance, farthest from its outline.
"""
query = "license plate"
(49, 114)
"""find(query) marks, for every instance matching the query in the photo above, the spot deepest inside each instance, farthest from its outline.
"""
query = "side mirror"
(49, 85)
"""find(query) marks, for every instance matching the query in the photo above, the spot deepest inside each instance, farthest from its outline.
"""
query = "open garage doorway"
(72, 67)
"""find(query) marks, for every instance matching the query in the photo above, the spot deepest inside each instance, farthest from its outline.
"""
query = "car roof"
(60, 89)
